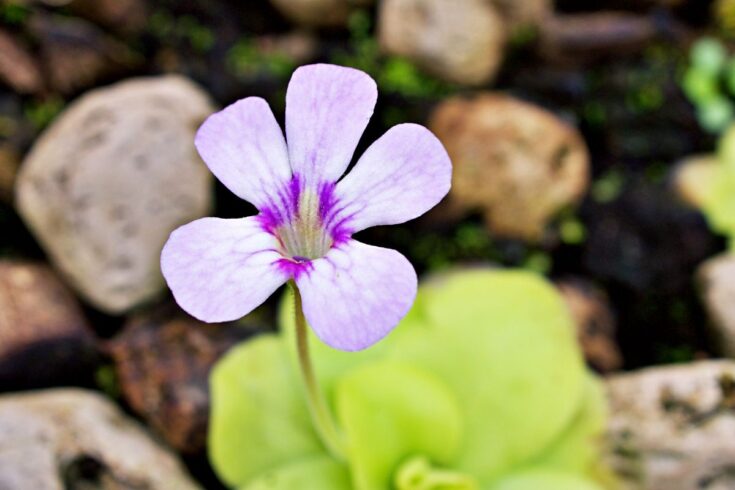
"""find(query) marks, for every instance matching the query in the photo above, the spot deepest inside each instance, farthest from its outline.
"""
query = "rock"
(514, 162)
(524, 13)
(318, 13)
(595, 35)
(110, 179)
(716, 278)
(163, 362)
(9, 163)
(125, 16)
(459, 44)
(595, 322)
(44, 337)
(17, 67)
(75, 439)
(76, 54)
(673, 427)
(693, 178)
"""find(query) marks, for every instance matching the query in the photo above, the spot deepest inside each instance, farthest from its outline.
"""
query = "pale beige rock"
(50, 436)
(516, 163)
(319, 13)
(460, 41)
(694, 177)
(716, 278)
(110, 179)
(673, 427)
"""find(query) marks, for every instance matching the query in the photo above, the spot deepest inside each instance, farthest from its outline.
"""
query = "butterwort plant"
(350, 293)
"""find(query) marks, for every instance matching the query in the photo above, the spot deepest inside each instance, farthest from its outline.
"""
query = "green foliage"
(183, 29)
(481, 386)
(393, 74)
(14, 13)
(41, 112)
(244, 59)
(709, 83)
(718, 189)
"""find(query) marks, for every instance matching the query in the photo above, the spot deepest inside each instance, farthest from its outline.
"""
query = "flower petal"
(221, 269)
(356, 294)
(401, 176)
(327, 110)
(243, 146)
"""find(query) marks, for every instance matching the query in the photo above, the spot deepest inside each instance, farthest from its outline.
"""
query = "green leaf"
(259, 420)
(320, 473)
(545, 480)
(391, 412)
(577, 448)
(505, 343)
(709, 55)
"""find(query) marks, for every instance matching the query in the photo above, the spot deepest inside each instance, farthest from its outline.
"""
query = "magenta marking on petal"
(327, 201)
(269, 220)
(295, 268)
(294, 188)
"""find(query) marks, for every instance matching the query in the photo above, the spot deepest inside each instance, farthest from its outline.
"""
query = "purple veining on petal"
(328, 210)
(294, 188)
(327, 200)
(269, 220)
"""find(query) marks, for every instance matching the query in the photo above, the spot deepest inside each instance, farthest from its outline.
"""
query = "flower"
(353, 294)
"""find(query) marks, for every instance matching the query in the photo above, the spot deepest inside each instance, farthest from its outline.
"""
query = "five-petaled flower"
(353, 293)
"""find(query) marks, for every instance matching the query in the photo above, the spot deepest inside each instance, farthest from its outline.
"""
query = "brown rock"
(516, 163)
(591, 36)
(673, 427)
(318, 13)
(716, 278)
(460, 43)
(163, 363)
(44, 337)
(74, 439)
(76, 54)
(595, 323)
(17, 67)
(126, 16)
(9, 163)
(524, 13)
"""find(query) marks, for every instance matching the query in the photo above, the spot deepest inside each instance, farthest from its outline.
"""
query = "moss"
(245, 60)
(14, 14)
(41, 113)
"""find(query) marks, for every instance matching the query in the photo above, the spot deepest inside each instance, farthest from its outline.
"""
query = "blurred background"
(586, 138)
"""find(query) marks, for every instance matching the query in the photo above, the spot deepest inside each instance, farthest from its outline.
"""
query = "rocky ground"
(565, 123)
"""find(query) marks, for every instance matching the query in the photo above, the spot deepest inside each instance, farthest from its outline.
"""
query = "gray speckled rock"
(105, 185)
(60, 439)
(673, 427)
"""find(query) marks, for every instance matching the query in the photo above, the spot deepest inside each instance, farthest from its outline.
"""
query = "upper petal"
(356, 294)
(243, 146)
(221, 269)
(327, 110)
(401, 176)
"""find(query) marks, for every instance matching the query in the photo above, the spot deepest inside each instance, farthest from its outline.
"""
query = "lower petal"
(221, 269)
(356, 294)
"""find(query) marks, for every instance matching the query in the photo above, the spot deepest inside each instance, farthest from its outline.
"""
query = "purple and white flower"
(353, 293)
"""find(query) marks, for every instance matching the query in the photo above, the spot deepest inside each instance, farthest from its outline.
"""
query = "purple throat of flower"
(307, 221)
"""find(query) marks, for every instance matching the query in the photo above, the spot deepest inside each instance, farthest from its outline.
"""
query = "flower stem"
(320, 413)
